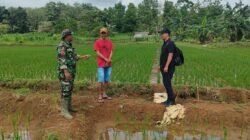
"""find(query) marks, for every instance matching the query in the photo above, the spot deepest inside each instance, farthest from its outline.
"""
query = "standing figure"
(167, 65)
(104, 52)
(67, 59)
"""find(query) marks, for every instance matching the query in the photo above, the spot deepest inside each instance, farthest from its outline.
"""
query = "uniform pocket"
(61, 75)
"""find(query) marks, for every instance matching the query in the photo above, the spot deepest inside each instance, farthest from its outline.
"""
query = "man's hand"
(109, 60)
(166, 69)
(85, 57)
(158, 68)
(67, 75)
(106, 59)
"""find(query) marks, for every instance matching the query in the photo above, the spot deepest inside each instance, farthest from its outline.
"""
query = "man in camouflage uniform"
(67, 59)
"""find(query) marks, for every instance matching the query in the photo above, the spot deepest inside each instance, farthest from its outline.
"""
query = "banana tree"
(236, 21)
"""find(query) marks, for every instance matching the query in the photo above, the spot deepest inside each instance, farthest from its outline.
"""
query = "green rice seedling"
(145, 134)
(145, 126)
(195, 126)
(115, 135)
(117, 117)
(197, 92)
(38, 56)
(248, 133)
(22, 90)
(2, 134)
(52, 136)
(225, 134)
(15, 119)
(29, 117)
(204, 136)
(206, 123)
(128, 131)
(241, 132)
(222, 124)
(132, 121)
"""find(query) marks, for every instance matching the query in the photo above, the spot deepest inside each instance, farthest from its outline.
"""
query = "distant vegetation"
(204, 21)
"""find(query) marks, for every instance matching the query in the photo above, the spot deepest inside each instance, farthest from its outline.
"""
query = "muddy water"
(116, 134)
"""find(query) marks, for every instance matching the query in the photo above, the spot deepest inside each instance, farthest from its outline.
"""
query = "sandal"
(100, 100)
(106, 97)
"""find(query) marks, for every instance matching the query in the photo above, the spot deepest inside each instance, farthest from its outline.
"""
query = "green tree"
(52, 12)
(18, 20)
(4, 13)
(184, 20)
(169, 14)
(148, 15)
(130, 19)
(118, 16)
(203, 31)
(90, 20)
(211, 21)
(35, 16)
(237, 21)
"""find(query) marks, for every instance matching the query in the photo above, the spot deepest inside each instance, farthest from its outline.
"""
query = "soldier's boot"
(64, 109)
(71, 109)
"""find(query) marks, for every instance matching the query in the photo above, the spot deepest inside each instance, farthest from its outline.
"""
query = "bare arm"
(111, 54)
(101, 56)
(170, 57)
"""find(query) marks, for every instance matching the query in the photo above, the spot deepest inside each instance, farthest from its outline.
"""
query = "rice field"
(132, 62)
(214, 67)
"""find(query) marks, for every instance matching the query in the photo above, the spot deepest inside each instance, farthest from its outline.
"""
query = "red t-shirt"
(105, 48)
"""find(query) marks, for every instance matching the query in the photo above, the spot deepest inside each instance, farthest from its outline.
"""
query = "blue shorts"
(104, 74)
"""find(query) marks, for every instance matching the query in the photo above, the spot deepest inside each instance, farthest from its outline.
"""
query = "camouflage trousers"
(66, 86)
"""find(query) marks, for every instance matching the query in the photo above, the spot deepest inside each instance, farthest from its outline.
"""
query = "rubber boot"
(65, 109)
(71, 109)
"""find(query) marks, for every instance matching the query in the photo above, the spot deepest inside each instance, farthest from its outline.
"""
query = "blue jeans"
(104, 74)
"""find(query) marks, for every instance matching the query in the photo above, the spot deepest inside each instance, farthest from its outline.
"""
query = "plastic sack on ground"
(172, 113)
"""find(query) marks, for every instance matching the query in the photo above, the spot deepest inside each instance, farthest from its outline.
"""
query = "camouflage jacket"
(67, 57)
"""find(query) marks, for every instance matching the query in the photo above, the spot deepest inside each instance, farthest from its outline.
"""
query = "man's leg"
(71, 109)
(100, 72)
(167, 77)
(105, 88)
(164, 80)
(66, 88)
(107, 73)
(169, 87)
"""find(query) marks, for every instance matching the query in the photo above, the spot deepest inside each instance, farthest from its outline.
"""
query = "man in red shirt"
(103, 48)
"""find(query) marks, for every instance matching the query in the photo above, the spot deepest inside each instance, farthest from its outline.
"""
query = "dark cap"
(66, 32)
(165, 30)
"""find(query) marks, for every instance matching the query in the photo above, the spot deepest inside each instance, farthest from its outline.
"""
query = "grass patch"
(23, 91)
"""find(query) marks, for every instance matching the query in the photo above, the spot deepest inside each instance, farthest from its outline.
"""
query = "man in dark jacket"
(167, 66)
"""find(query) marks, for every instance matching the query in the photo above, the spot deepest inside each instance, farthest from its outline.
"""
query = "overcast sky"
(99, 3)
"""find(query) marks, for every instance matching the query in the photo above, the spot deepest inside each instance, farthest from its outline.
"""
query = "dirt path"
(39, 114)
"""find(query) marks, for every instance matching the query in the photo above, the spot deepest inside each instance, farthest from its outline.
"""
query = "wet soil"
(38, 112)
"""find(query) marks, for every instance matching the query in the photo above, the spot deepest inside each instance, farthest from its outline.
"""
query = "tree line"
(205, 21)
